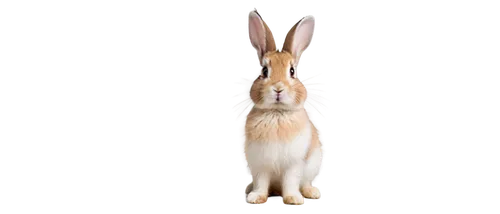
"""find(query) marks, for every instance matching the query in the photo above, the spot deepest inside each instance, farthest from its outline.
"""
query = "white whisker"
(318, 100)
(314, 100)
(318, 96)
(314, 89)
(311, 78)
(321, 105)
(314, 83)
(317, 109)
(243, 107)
(313, 108)
(245, 110)
(316, 106)
(244, 104)
(238, 105)
(245, 81)
(315, 93)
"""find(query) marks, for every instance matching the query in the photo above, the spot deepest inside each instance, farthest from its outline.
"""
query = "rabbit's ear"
(261, 37)
(299, 37)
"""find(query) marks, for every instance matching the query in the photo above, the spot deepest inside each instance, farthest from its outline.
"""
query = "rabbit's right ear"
(299, 37)
(261, 37)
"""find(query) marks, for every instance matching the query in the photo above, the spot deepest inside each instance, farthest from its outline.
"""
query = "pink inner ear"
(303, 35)
(257, 33)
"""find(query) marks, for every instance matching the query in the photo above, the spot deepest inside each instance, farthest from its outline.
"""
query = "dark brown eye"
(264, 72)
(292, 72)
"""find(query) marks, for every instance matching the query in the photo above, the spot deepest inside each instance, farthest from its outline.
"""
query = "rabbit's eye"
(264, 72)
(292, 72)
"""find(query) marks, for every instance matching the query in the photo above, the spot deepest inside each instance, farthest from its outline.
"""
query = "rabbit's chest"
(278, 155)
(275, 127)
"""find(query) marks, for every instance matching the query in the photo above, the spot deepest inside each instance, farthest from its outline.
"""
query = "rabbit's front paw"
(310, 192)
(293, 199)
(256, 197)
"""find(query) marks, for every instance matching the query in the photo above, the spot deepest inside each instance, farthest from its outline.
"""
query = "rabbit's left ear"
(299, 37)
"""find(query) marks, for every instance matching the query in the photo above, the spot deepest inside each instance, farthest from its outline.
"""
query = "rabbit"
(282, 147)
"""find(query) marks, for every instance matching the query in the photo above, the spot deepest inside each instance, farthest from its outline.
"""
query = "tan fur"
(287, 46)
(310, 192)
(293, 200)
(274, 125)
(261, 199)
(275, 190)
(270, 45)
(315, 143)
(278, 63)
(279, 122)
(278, 125)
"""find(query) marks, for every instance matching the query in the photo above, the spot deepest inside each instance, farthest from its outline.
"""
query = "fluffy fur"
(282, 146)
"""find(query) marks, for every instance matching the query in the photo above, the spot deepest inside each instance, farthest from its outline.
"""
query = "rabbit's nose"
(277, 91)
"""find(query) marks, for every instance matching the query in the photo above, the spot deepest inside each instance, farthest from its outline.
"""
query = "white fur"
(282, 163)
(254, 196)
(275, 157)
(312, 166)
(265, 62)
(311, 169)
(286, 96)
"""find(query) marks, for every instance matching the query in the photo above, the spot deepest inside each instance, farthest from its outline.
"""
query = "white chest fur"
(277, 156)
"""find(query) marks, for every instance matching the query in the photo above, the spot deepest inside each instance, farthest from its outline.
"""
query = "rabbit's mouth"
(279, 100)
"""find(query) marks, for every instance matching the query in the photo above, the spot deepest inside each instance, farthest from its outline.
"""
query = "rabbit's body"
(282, 146)
(278, 156)
(268, 151)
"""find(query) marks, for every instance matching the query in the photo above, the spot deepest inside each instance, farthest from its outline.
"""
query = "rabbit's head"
(278, 86)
